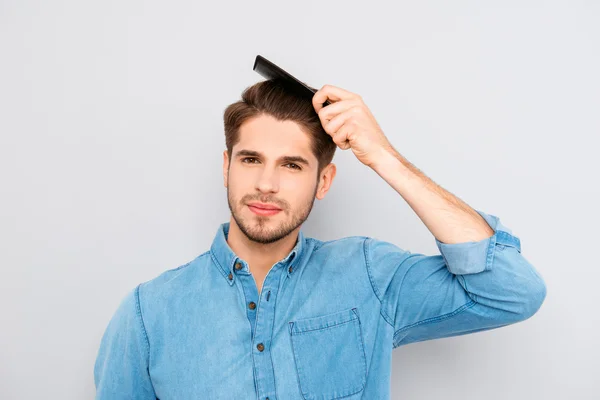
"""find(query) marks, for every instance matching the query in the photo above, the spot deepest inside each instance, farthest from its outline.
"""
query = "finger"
(329, 112)
(336, 123)
(341, 137)
(332, 93)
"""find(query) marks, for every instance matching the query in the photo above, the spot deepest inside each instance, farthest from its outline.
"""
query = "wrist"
(387, 157)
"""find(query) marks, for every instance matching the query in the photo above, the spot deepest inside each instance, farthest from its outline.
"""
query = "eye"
(248, 158)
(294, 166)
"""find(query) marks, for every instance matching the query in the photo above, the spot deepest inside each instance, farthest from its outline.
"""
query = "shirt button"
(252, 305)
(238, 266)
(260, 347)
(290, 269)
(230, 276)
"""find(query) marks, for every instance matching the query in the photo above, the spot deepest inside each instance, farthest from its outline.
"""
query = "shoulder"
(175, 279)
(369, 246)
(344, 244)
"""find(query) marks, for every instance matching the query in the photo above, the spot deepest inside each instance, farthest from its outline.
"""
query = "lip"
(263, 211)
(264, 206)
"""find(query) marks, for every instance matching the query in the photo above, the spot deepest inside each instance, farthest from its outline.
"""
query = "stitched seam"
(385, 316)
(508, 239)
(302, 376)
(366, 253)
(302, 331)
(461, 278)
(361, 342)
(223, 272)
(438, 318)
(490, 252)
(187, 263)
(317, 243)
(273, 365)
(203, 254)
(141, 320)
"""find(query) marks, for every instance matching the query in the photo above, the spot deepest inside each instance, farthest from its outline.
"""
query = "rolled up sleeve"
(474, 257)
(469, 287)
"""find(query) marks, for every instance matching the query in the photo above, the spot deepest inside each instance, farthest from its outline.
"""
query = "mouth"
(266, 210)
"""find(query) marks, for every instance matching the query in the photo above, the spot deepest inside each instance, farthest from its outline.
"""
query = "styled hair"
(272, 97)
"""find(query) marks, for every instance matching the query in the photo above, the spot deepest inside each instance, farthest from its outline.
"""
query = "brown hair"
(272, 97)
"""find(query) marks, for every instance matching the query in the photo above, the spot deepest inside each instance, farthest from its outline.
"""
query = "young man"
(268, 313)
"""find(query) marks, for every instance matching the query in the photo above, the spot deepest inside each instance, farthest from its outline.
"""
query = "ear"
(325, 180)
(225, 168)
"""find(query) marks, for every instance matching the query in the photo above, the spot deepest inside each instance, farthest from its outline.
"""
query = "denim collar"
(225, 259)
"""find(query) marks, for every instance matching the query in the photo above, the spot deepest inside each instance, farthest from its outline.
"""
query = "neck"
(260, 257)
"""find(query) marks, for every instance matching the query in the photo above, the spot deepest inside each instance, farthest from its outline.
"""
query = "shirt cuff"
(474, 257)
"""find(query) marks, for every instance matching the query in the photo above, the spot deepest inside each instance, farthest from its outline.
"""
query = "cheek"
(298, 191)
(237, 187)
(294, 183)
(239, 178)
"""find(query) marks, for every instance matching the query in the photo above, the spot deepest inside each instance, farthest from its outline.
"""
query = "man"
(268, 313)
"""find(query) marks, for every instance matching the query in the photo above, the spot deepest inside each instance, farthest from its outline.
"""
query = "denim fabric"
(324, 325)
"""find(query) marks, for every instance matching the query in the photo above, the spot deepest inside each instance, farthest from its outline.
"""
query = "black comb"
(271, 71)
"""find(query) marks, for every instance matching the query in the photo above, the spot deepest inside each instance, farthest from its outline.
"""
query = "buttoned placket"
(261, 323)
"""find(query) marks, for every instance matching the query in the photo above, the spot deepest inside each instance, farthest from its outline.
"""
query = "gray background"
(111, 150)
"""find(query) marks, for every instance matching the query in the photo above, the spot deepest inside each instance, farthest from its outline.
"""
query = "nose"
(268, 180)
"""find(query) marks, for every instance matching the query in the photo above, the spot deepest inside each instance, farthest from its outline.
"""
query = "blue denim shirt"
(324, 325)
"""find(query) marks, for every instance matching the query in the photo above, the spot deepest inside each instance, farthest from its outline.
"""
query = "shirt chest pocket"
(329, 355)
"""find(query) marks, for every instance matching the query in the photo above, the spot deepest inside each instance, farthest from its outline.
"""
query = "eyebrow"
(252, 153)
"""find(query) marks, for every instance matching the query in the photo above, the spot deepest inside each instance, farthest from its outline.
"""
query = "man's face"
(260, 172)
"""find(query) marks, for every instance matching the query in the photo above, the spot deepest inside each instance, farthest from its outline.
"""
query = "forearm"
(447, 217)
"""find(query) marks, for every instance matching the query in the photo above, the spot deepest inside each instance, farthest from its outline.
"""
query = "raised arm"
(480, 281)
(469, 287)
